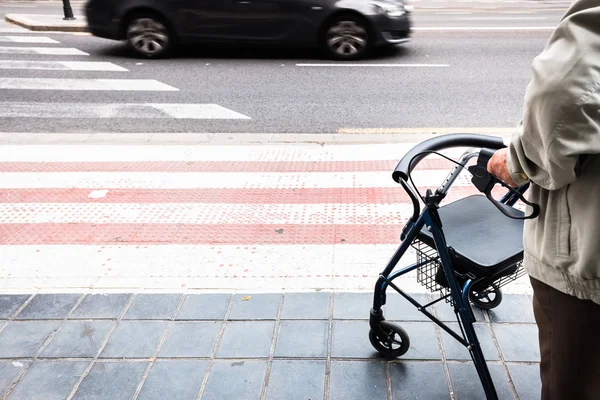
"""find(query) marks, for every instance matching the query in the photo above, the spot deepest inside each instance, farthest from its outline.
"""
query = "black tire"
(486, 299)
(148, 35)
(393, 344)
(347, 37)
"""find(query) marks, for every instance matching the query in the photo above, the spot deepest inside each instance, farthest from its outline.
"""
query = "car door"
(211, 19)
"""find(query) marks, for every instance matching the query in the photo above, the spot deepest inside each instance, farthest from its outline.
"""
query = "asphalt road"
(472, 75)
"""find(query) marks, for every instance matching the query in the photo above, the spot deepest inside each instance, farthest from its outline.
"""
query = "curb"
(32, 25)
(205, 139)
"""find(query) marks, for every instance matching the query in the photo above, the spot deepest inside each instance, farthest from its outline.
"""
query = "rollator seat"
(485, 242)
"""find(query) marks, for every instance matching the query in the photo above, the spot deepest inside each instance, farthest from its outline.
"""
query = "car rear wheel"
(149, 36)
(347, 38)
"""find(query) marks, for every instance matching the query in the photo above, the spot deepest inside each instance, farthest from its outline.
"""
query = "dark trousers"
(569, 334)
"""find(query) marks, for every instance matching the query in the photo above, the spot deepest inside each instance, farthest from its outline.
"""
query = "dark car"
(345, 29)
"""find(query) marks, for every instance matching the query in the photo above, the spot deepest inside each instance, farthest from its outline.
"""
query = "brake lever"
(485, 182)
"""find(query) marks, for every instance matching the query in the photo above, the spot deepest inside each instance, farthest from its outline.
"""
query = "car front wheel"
(347, 38)
(148, 36)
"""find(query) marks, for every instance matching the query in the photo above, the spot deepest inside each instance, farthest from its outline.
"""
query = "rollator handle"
(485, 182)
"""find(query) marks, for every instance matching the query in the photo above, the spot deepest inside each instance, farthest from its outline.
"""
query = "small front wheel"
(486, 299)
(391, 342)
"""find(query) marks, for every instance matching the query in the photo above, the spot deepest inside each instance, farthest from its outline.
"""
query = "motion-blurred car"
(344, 29)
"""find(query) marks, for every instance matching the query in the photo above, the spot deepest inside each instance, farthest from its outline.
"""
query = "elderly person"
(557, 149)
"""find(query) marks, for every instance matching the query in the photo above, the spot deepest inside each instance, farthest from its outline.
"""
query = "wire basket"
(430, 273)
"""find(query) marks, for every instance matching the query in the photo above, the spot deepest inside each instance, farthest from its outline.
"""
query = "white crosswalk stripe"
(105, 110)
(84, 84)
(27, 39)
(58, 51)
(61, 65)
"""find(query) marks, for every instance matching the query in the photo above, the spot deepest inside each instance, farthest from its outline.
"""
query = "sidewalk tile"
(306, 306)
(350, 339)
(78, 339)
(101, 306)
(247, 339)
(526, 379)
(358, 380)
(204, 307)
(258, 306)
(302, 339)
(191, 339)
(358, 306)
(445, 312)
(467, 385)
(514, 308)
(153, 306)
(424, 343)
(9, 304)
(135, 339)
(49, 380)
(352, 305)
(456, 351)
(410, 380)
(24, 338)
(518, 342)
(235, 380)
(49, 306)
(9, 370)
(174, 379)
(113, 380)
(284, 383)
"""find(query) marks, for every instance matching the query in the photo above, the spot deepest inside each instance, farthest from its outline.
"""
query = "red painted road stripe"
(148, 234)
(218, 166)
(229, 196)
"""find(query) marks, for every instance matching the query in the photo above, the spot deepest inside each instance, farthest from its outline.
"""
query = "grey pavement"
(250, 346)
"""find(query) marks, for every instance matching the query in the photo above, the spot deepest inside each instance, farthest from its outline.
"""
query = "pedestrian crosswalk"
(266, 217)
(42, 64)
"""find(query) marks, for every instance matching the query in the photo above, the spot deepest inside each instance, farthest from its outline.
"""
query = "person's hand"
(498, 167)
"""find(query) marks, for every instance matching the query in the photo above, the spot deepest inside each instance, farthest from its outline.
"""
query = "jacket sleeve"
(561, 118)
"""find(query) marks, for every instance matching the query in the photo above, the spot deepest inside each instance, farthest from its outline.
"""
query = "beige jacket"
(558, 147)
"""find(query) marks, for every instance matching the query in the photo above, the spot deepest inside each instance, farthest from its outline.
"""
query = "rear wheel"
(149, 36)
(347, 37)
(486, 299)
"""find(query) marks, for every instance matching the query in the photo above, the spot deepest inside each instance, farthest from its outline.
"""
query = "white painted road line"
(377, 65)
(501, 18)
(61, 65)
(51, 51)
(198, 111)
(116, 110)
(27, 39)
(485, 28)
(14, 30)
(84, 84)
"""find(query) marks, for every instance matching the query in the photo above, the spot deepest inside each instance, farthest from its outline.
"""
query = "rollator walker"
(466, 250)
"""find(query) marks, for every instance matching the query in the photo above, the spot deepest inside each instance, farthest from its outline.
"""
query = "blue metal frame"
(460, 296)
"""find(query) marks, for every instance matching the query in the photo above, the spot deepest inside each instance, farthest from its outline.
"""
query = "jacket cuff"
(515, 171)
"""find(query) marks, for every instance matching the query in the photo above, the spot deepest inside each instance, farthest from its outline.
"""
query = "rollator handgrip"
(485, 182)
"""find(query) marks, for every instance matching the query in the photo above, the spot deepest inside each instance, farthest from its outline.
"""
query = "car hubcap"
(148, 35)
(347, 38)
